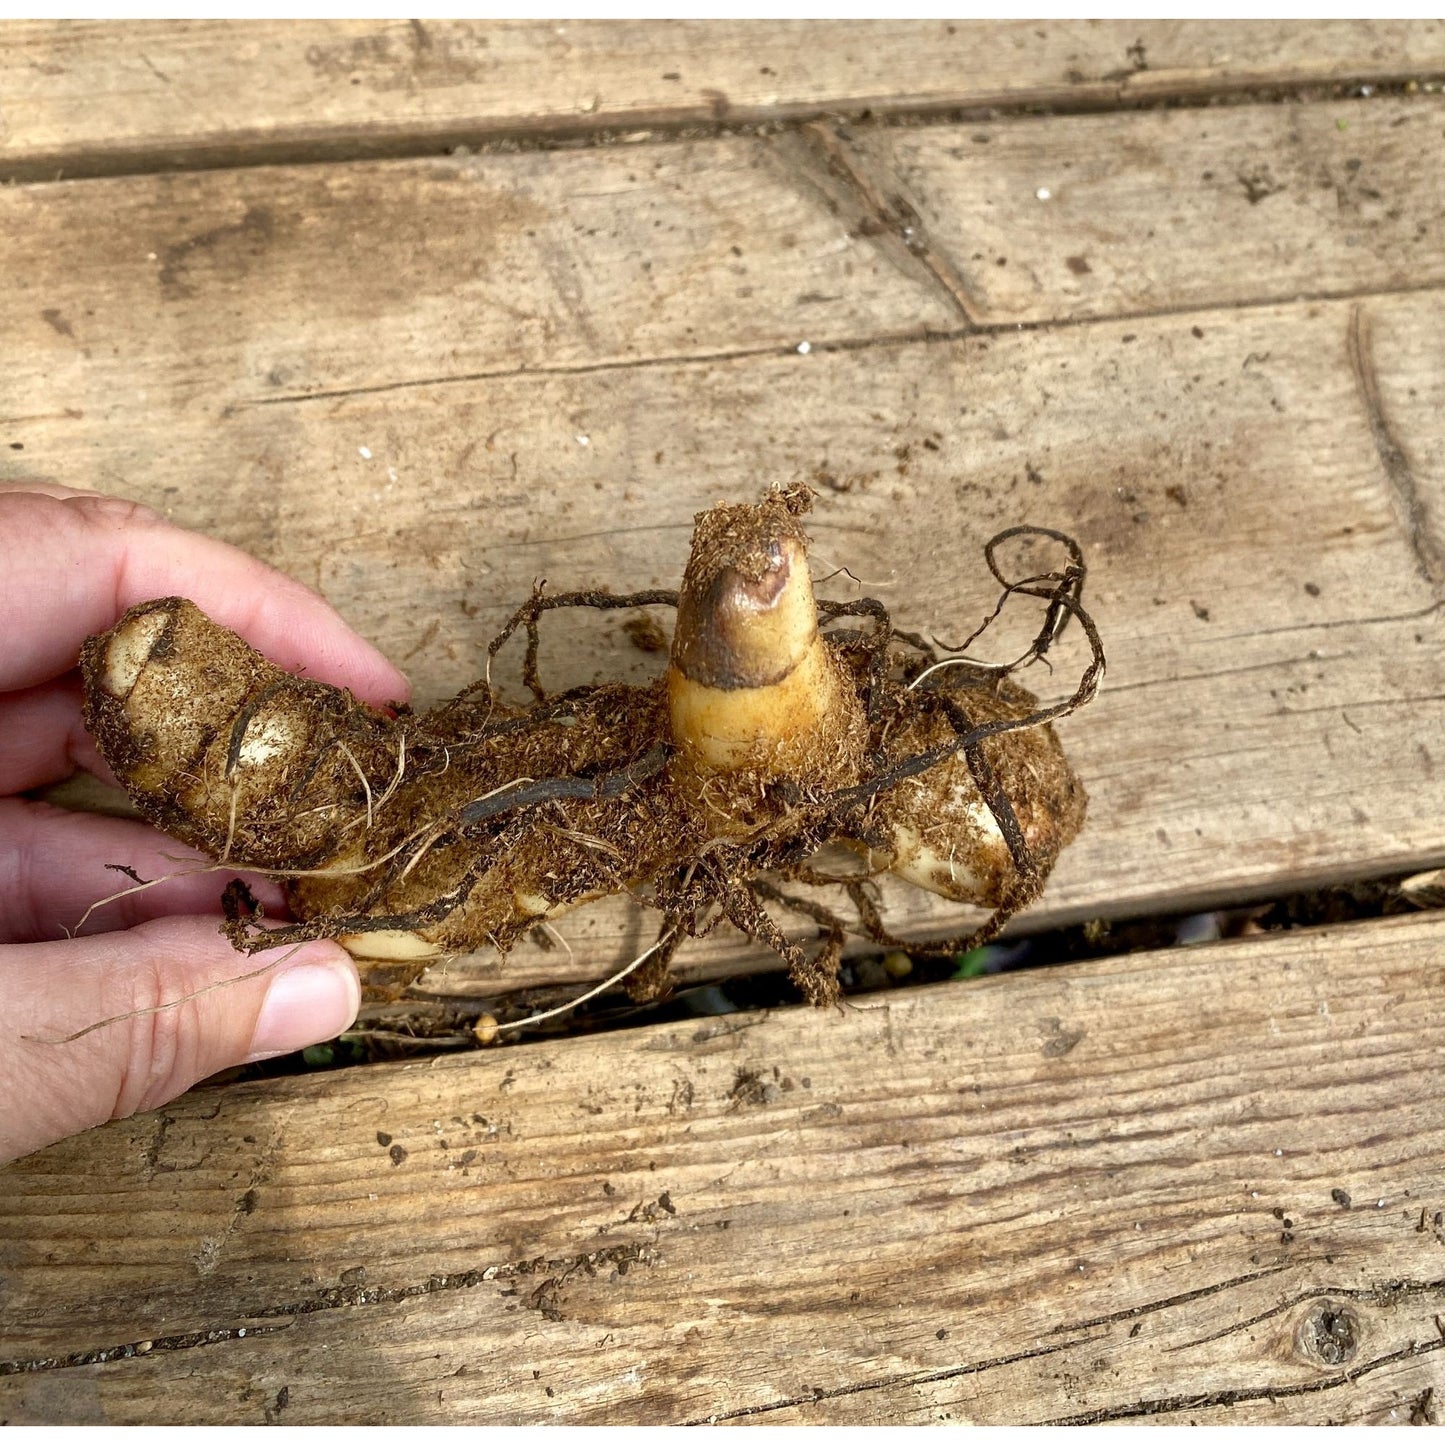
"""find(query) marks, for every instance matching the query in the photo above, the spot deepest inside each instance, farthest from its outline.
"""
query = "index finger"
(75, 561)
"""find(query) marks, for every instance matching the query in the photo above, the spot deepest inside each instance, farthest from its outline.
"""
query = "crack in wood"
(342, 1297)
(1215, 1398)
(1076, 1331)
(316, 145)
(1417, 614)
(1188, 1297)
(917, 1377)
(589, 368)
(1429, 555)
(876, 207)
(1360, 704)
(922, 335)
(1272, 665)
(1387, 1293)
(1167, 1405)
(134, 1349)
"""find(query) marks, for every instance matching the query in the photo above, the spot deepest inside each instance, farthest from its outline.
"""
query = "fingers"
(54, 866)
(74, 561)
(42, 737)
(98, 1028)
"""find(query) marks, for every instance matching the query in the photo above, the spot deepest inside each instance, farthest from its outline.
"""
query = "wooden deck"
(420, 313)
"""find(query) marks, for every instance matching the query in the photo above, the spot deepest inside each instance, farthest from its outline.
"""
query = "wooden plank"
(1174, 209)
(259, 285)
(1267, 584)
(1099, 1191)
(96, 97)
(255, 286)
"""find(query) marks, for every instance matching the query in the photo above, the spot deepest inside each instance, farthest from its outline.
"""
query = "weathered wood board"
(96, 97)
(1173, 210)
(266, 284)
(1103, 1191)
(256, 287)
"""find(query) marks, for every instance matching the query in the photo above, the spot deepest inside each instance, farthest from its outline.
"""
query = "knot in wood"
(1328, 1333)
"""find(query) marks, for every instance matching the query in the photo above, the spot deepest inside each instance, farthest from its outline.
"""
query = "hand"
(72, 563)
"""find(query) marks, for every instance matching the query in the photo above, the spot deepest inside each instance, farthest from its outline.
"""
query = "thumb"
(98, 1028)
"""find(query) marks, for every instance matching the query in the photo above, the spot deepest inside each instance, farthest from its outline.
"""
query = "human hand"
(181, 1002)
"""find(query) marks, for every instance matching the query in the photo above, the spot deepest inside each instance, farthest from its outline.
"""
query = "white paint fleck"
(1043, 193)
(584, 441)
(804, 347)
(364, 453)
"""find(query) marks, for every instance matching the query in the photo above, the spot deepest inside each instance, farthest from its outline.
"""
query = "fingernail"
(306, 1004)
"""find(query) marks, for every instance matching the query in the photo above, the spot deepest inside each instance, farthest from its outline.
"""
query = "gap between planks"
(649, 127)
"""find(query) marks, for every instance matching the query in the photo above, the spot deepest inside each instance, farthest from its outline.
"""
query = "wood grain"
(261, 285)
(1112, 214)
(256, 287)
(95, 97)
(1101, 1191)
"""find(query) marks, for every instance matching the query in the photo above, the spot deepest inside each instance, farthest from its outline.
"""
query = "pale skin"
(73, 562)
